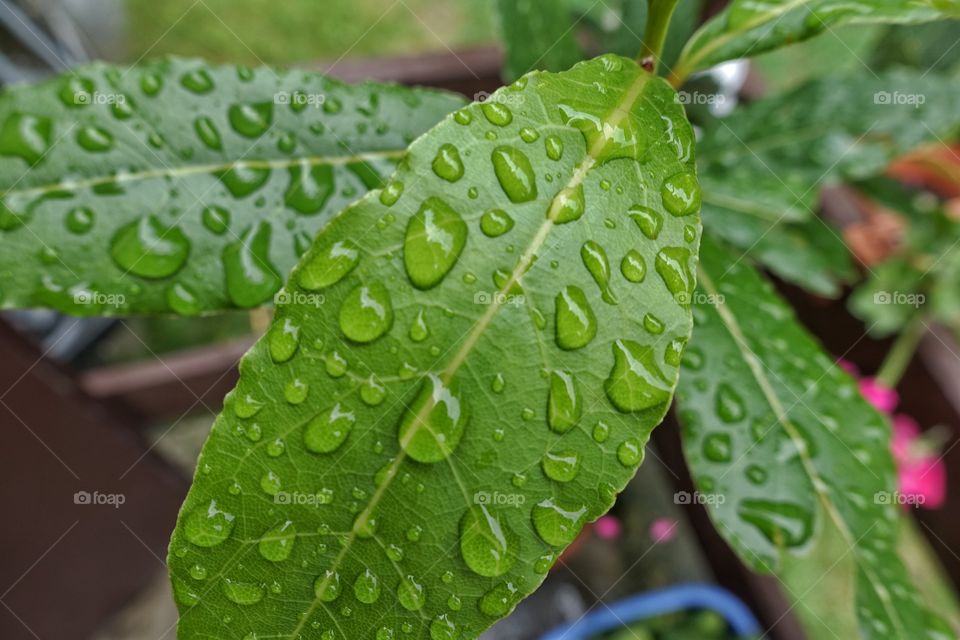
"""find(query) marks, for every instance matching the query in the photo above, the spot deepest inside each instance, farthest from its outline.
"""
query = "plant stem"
(901, 353)
(658, 22)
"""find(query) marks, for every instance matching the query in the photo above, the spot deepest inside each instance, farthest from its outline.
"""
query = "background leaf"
(779, 435)
(178, 186)
(538, 35)
(750, 27)
(763, 167)
(470, 366)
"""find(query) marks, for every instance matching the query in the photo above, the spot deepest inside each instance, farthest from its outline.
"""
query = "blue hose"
(656, 603)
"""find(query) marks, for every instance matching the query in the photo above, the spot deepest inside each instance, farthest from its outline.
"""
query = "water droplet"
(636, 382)
(673, 265)
(151, 83)
(198, 572)
(554, 147)
(76, 91)
(568, 205)
(149, 249)
(433, 424)
(276, 447)
(80, 220)
(295, 391)
(94, 139)
(784, 524)
(208, 133)
(576, 324)
(276, 545)
(633, 266)
(372, 393)
(496, 113)
(653, 324)
(630, 453)
(756, 474)
(729, 404)
(311, 185)
(498, 602)
(251, 278)
(605, 141)
(487, 545)
(419, 330)
(270, 482)
(595, 260)
(498, 384)
(601, 432)
(447, 163)
(649, 221)
(208, 526)
(328, 430)
(411, 595)
(284, 340)
(681, 194)
(515, 174)
(495, 222)
(246, 406)
(251, 120)
(564, 407)
(434, 238)
(366, 313)
(216, 219)
(442, 628)
(197, 81)
(242, 593)
(561, 466)
(717, 447)
(367, 587)
(558, 523)
(463, 116)
(26, 136)
(325, 267)
(327, 586)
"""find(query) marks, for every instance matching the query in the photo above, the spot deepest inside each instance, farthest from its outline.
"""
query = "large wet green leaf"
(751, 27)
(181, 187)
(774, 427)
(538, 35)
(763, 167)
(470, 366)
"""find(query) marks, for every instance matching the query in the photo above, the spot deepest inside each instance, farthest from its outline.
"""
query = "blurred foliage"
(699, 625)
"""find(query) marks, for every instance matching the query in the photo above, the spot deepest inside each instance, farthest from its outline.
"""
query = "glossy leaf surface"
(468, 370)
(181, 187)
(781, 439)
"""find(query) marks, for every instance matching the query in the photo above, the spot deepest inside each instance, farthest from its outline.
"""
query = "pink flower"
(849, 367)
(922, 474)
(663, 530)
(883, 398)
(608, 527)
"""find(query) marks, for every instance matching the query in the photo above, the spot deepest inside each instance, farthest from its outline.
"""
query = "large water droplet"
(411, 595)
(328, 430)
(729, 404)
(496, 113)
(515, 174)
(251, 120)
(276, 545)
(636, 382)
(605, 141)
(558, 523)
(25, 136)
(487, 545)
(327, 266)
(433, 424)
(681, 194)
(284, 340)
(447, 163)
(327, 586)
(576, 325)
(595, 260)
(367, 587)
(498, 602)
(251, 278)
(784, 524)
(568, 205)
(561, 466)
(94, 139)
(442, 628)
(208, 526)
(633, 266)
(311, 185)
(649, 221)
(717, 447)
(149, 249)
(673, 265)
(366, 313)
(434, 239)
(243, 178)
(564, 407)
(208, 133)
(242, 593)
(495, 222)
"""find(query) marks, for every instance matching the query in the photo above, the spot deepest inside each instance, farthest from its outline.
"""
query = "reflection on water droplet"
(149, 249)
(636, 382)
(595, 260)
(434, 239)
(681, 194)
(564, 407)
(487, 545)
(515, 174)
(447, 163)
(496, 222)
(561, 466)
(327, 266)
(251, 278)
(576, 324)
(366, 313)
(328, 430)
(242, 593)
(208, 526)
(649, 221)
(558, 523)
(433, 424)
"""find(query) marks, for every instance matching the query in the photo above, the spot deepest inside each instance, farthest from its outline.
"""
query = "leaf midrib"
(199, 169)
(617, 115)
(766, 387)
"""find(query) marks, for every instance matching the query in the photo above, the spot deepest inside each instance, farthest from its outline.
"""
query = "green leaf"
(179, 186)
(780, 440)
(751, 27)
(470, 367)
(538, 35)
(763, 167)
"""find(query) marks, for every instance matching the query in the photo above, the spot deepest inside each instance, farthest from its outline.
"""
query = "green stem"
(658, 23)
(901, 353)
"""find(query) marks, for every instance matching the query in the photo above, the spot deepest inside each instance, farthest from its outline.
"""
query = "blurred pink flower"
(922, 474)
(663, 530)
(883, 398)
(608, 527)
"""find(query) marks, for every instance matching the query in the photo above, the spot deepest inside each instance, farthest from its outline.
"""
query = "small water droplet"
(496, 222)
(216, 219)
(327, 586)
(629, 453)
(447, 163)
(419, 331)
(242, 593)
(284, 340)
(561, 466)
(729, 404)
(554, 147)
(80, 220)
(251, 120)
(366, 588)
(717, 447)
(94, 139)
(328, 430)
(372, 393)
(633, 266)
(496, 113)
